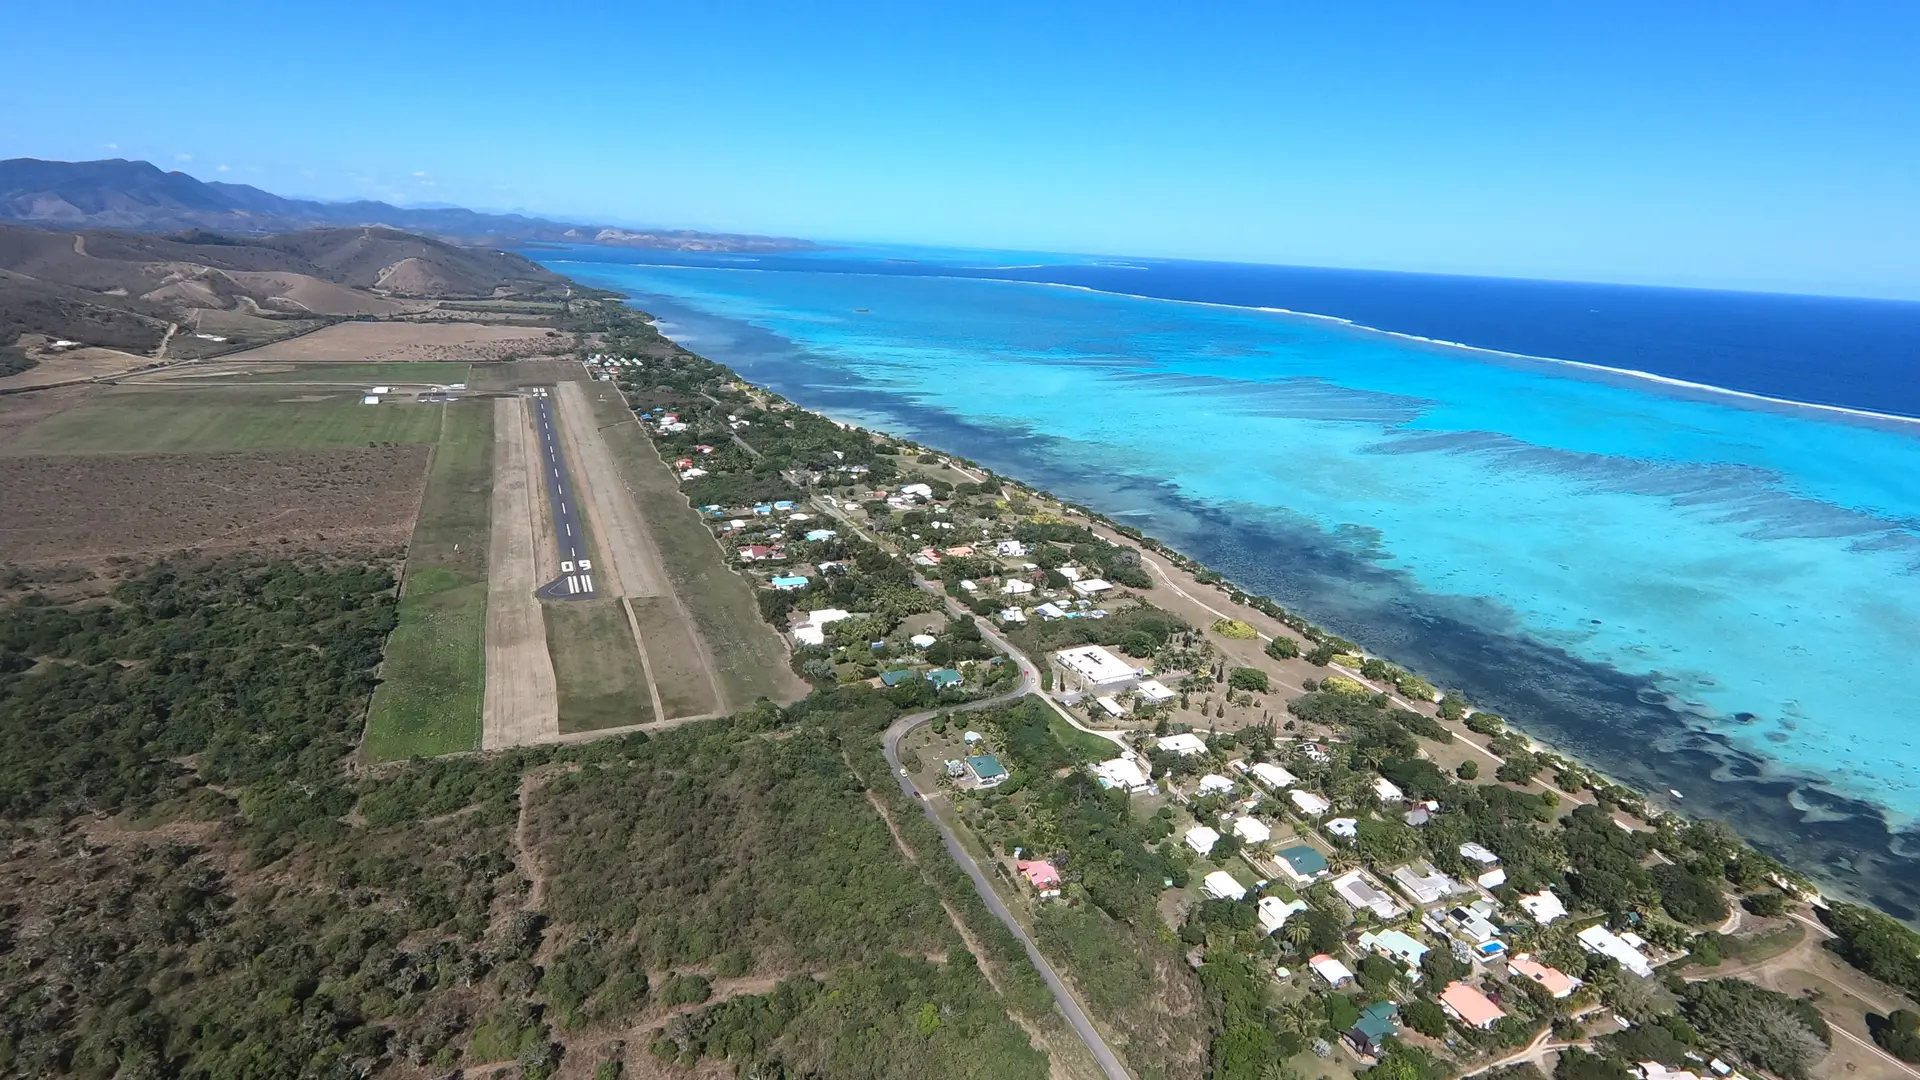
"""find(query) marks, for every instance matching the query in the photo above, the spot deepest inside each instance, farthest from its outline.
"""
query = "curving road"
(890, 745)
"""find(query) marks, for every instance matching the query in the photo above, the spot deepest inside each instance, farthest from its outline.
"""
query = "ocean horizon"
(1673, 533)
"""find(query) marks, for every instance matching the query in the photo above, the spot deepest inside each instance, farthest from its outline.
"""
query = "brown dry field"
(364, 342)
(342, 499)
(69, 364)
(521, 703)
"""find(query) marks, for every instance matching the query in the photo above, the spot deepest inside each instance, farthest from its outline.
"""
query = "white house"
(1273, 776)
(1221, 885)
(1252, 830)
(1387, 791)
(1215, 784)
(1361, 895)
(1543, 906)
(1345, 828)
(1395, 945)
(1310, 804)
(1013, 615)
(1154, 692)
(1186, 744)
(1624, 948)
(1201, 839)
(1330, 969)
(808, 634)
(1017, 587)
(1122, 773)
(1274, 912)
(1425, 884)
(1110, 705)
(1093, 669)
(1091, 587)
(921, 490)
(1010, 548)
(1479, 853)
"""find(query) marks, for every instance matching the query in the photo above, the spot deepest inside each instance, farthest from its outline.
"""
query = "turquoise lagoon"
(1686, 589)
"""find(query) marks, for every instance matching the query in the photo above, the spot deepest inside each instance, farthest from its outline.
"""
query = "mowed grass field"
(751, 658)
(674, 657)
(434, 677)
(596, 667)
(192, 419)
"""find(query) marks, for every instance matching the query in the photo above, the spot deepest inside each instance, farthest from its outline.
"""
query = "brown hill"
(123, 290)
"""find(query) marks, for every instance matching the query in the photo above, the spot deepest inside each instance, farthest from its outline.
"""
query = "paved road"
(1062, 997)
(576, 569)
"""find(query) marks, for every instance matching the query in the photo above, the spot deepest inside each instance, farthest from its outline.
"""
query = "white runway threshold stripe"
(586, 582)
(573, 583)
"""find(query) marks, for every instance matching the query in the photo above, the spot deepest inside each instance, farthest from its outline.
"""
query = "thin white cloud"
(110, 146)
(221, 168)
(183, 157)
(419, 175)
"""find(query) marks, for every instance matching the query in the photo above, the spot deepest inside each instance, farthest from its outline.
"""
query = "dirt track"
(522, 704)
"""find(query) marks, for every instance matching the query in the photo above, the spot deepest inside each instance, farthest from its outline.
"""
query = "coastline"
(1826, 884)
(1689, 389)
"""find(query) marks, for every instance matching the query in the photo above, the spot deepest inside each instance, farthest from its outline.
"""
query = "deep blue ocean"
(1532, 491)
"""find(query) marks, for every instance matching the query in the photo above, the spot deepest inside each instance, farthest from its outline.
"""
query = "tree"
(1425, 1017)
(1283, 648)
(1690, 897)
(1759, 1027)
(1898, 1034)
(1246, 678)
(1468, 770)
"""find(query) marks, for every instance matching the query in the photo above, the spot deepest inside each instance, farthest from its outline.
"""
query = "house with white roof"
(1019, 587)
(1345, 828)
(1425, 884)
(1093, 669)
(1252, 830)
(1397, 946)
(1479, 853)
(1362, 895)
(1009, 548)
(1333, 971)
(1013, 615)
(1091, 587)
(1221, 885)
(1273, 776)
(1123, 773)
(1387, 791)
(1186, 744)
(1624, 948)
(1543, 906)
(1274, 912)
(1201, 839)
(1310, 804)
(1214, 784)
(1153, 692)
(1111, 706)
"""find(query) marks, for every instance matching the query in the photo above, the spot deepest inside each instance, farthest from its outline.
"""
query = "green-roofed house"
(987, 770)
(896, 676)
(1302, 864)
(1377, 1024)
(941, 678)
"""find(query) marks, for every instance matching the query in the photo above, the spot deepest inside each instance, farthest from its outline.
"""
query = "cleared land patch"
(214, 418)
(402, 373)
(357, 499)
(676, 659)
(361, 342)
(748, 657)
(520, 704)
(595, 664)
(432, 682)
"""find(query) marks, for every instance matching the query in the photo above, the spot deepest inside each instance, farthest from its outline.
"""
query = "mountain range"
(137, 195)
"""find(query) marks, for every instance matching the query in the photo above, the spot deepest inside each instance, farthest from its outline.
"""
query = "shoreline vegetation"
(1696, 901)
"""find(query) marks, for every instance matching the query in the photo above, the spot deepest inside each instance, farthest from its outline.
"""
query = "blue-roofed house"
(896, 676)
(942, 678)
(783, 504)
(987, 770)
(762, 511)
(820, 534)
(1302, 864)
(1377, 1024)
(789, 583)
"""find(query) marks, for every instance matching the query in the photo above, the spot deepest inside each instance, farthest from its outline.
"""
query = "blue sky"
(1747, 145)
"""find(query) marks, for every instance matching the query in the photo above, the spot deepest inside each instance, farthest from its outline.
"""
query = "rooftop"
(1094, 664)
(1223, 886)
(1471, 1006)
(1184, 743)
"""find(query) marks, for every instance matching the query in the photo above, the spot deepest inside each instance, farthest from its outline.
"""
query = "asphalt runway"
(576, 569)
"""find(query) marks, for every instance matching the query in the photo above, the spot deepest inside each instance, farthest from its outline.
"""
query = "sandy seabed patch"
(361, 342)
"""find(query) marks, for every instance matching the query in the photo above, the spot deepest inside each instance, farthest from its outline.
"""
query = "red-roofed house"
(1044, 876)
(1551, 979)
(754, 552)
(1470, 1006)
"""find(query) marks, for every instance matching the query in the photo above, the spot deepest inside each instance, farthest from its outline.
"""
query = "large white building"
(1201, 839)
(1222, 886)
(1273, 776)
(1185, 744)
(1624, 948)
(1362, 895)
(1122, 773)
(1093, 669)
(1252, 830)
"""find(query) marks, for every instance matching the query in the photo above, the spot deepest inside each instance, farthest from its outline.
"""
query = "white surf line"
(1632, 373)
